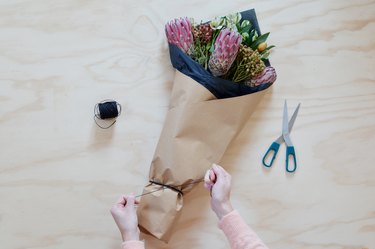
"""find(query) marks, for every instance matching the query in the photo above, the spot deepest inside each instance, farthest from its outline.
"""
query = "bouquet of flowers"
(222, 73)
(229, 47)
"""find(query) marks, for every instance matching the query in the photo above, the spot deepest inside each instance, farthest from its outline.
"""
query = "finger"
(208, 186)
(207, 176)
(130, 201)
(212, 176)
(121, 201)
(226, 175)
(209, 179)
(223, 173)
(218, 173)
(137, 199)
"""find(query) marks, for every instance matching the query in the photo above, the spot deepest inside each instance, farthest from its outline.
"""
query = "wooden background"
(60, 173)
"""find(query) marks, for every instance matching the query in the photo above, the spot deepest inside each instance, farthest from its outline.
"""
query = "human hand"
(125, 216)
(218, 181)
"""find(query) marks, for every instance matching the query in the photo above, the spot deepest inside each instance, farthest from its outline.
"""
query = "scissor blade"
(294, 116)
(280, 139)
(285, 119)
(286, 129)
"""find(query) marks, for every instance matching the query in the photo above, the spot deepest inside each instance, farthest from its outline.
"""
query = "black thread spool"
(107, 109)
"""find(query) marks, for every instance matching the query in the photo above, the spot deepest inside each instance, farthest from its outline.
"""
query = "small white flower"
(217, 23)
(245, 23)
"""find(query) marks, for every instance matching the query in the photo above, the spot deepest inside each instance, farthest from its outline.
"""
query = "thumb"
(207, 177)
(218, 173)
(212, 176)
(130, 201)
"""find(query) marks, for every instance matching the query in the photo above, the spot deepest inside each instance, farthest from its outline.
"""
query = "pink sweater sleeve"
(133, 244)
(239, 234)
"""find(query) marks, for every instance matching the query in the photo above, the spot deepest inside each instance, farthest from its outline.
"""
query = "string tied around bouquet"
(168, 186)
(106, 109)
(174, 188)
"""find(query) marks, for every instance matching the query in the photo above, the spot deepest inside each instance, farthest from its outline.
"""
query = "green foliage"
(244, 27)
(265, 53)
(201, 53)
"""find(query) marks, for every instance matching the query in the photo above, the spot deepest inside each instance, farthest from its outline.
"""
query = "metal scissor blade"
(280, 139)
(294, 116)
(286, 127)
(285, 119)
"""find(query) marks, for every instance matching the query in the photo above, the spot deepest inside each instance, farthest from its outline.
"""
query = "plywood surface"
(60, 173)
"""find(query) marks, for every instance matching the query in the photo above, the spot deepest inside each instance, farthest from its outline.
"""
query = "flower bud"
(262, 47)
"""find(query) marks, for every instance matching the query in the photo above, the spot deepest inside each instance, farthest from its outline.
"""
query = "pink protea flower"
(225, 52)
(267, 76)
(179, 33)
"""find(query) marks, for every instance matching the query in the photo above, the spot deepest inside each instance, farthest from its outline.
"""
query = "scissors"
(290, 152)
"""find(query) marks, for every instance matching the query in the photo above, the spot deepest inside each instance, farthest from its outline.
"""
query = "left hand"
(125, 216)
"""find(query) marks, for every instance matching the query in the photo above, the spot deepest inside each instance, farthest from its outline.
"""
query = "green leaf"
(265, 55)
(252, 33)
(244, 36)
(267, 49)
(238, 27)
(254, 37)
(245, 23)
(245, 41)
(244, 27)
(262, 38)
(212, 48)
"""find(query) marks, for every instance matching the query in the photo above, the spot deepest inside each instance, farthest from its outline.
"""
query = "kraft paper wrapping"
(197, 131)
(205, 115)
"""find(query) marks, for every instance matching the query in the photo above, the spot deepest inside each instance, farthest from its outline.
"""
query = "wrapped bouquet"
(222, 72)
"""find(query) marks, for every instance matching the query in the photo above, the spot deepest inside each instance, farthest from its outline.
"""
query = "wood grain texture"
(60, 174)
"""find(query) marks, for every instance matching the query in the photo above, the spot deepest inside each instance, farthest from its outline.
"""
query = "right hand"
(125, 216)
(218, 181)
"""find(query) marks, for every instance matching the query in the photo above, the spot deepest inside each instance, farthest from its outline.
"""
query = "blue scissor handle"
(275, 148)
(290, 152)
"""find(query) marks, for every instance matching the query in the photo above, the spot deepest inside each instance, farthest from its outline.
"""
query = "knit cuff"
(239, 234)
(232, 224)
(133, 244)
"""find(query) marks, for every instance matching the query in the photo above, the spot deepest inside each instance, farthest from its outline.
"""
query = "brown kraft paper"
(196, 133)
